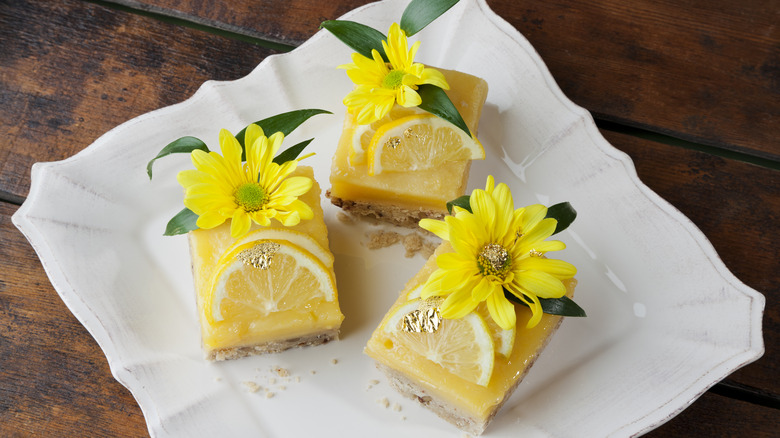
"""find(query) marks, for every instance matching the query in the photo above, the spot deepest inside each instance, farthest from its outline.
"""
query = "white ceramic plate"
(666, 320)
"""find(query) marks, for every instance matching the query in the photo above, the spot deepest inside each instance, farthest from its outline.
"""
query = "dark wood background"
(690, 89)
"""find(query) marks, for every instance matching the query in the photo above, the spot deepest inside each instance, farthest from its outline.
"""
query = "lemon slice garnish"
(503, 340)
(418, 142)
(362, 134)
(295, 237)
(261, 277)
(463, 347)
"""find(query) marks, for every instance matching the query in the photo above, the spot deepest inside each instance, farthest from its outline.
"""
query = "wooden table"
(689, 89)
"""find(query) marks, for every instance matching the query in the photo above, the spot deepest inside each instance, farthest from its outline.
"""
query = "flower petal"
(484, 289)
(454, 260)
(432, 286)
(461, 278)
(210, 220)
(461, 237)
(533, 214)
(529, 299)
(407, 97)
(191, 177)
(557, 268)
(541, 231)
(294, 186)
(436, 227)
(434, 77)
(301, 208)
(231, 148)
(239, 224)
(458, 304)
(501, 310)
(540, 284)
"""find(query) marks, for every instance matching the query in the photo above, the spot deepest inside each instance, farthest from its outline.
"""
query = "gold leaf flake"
(426, 319)
(260, 255)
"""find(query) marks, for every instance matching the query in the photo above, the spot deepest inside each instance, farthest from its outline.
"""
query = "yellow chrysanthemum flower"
(379, 85)
(222, 187)
(496, 247)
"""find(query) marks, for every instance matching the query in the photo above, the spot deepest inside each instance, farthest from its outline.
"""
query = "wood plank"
(736, 205)
(288, 22)
(703, 71)
(54, 379)
(72, 70)
(713, 416)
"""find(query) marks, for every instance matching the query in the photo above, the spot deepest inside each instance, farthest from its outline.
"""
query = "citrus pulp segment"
(298, 238)
(463, 346)
(362, 135)
(261, 277)
(418, 142)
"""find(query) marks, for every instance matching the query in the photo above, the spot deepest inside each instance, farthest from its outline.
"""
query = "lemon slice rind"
(400, 132)
(295, 237)
(480, 345)
(304, 259)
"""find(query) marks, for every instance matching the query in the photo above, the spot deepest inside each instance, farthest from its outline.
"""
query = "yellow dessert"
(404, 195)
(465, 403)
(468, 326)
(245, 309)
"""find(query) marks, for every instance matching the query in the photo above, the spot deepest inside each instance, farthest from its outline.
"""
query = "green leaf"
(564, 213)
(284, 123)
(182, 223)
(182, 145)
(563, 306)
(436, 102)
(358, 37)
(292, 152)
(421, 13)
(462, 202)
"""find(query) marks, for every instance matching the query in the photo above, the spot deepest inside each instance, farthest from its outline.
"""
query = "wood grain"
(713, 416)
(704, 71)
(288, 22)
(72, 71)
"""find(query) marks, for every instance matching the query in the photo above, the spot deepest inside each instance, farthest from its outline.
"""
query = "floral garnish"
(379, 85)
(499, 252)
(222, 187)
(246, 183)
(383, 69)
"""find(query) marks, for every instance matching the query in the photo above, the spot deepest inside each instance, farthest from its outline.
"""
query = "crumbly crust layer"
(394, 214)
(273, 346)
(456, 416)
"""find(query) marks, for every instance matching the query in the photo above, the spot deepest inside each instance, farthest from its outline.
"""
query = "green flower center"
(250, 196)
(393, 80)
(494, 260)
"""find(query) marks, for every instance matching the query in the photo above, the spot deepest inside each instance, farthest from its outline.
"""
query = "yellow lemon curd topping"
(212, 249)
(427, 188)
(470, 397)
(489, 249)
